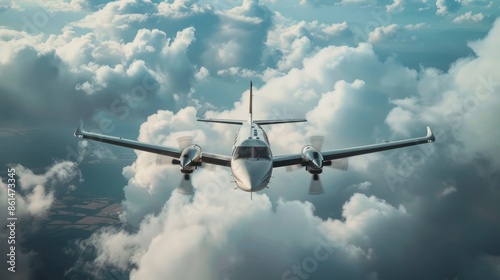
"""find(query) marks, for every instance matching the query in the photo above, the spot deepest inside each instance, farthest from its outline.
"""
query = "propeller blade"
(339, 164)
(185, 141)
(164, 160)
(186, 186)
(315, 187)
(209, 167)
(317, 142)
(290, 168)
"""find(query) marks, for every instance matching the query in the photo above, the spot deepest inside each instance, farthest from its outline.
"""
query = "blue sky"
(361, 72)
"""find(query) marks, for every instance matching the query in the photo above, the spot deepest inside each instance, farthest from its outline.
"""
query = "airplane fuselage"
(251, 162)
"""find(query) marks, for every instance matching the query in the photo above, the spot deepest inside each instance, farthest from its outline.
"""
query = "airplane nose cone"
(251, 182)
(252, 175)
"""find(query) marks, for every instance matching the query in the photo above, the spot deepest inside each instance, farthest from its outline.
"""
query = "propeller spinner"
(314, 163)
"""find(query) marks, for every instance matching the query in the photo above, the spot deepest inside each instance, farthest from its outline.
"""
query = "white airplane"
(252, 161)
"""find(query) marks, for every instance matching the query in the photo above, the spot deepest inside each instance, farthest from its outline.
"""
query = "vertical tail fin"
(250, 117)
(250, 108)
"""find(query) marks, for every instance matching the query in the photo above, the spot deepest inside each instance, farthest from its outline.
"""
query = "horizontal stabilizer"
(226, 121)
(264, 122)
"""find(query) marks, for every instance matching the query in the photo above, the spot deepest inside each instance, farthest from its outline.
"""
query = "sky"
(360, 71)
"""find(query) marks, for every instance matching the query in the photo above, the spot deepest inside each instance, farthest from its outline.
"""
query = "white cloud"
(180, 8)
(59, 173)
(449, 189)
(301, 47)
(463, 98)
(383, 33)
(36, 192)
(221, 238)
(238, 72)
(13, 42)
(400, 121)
(396, 7)
(364, 187)
(67, 6)
(447, 6)
(149, 54)
(336, 28)
(117, 17)
(38, 201)
(295, 40)
(349, 94)
(416, 26)
(469, 17)
(287, 30)
(202, 74)
(360, 213)
(12, 5)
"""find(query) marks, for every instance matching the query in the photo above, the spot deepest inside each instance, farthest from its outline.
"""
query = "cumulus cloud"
(465, 96)
(350, 94)
(122, 77)
(34, 195)
(232, 243)
(447, 6)
(72, 5)
(194, 220)
(240, 27)
(295, 40)
(319, 2)
(37, 191)
(469, 17)
(347, 2)
(383, 33)
(400, 120)
(363, 187)
(396, 7)
(416, 26)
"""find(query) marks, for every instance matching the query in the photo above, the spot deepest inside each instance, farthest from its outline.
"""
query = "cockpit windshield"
(246, 152)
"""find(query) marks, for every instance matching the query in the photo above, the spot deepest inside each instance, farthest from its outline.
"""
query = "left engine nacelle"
(190, 158)
(313, 159)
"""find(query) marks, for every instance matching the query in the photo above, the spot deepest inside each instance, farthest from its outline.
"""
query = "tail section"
(250, 117)
(264, 122)
(226, 121)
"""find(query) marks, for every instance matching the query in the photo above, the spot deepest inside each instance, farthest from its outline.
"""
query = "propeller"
(184, 141)
(317, 142)
(315, 187)
(185, 186)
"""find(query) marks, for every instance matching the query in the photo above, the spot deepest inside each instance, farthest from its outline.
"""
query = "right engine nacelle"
(190, 158)
(313, 159)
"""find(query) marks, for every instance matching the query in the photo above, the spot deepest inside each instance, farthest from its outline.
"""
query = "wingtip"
(430, 135)
(79, 131)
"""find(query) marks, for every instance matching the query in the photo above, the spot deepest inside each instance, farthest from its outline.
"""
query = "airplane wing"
(259, 122)
(280, 161)
(161, 150)
(265, 122)
(226, 121)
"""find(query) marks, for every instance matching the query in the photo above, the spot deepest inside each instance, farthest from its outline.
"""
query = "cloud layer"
(200, 234)
(420, 213)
